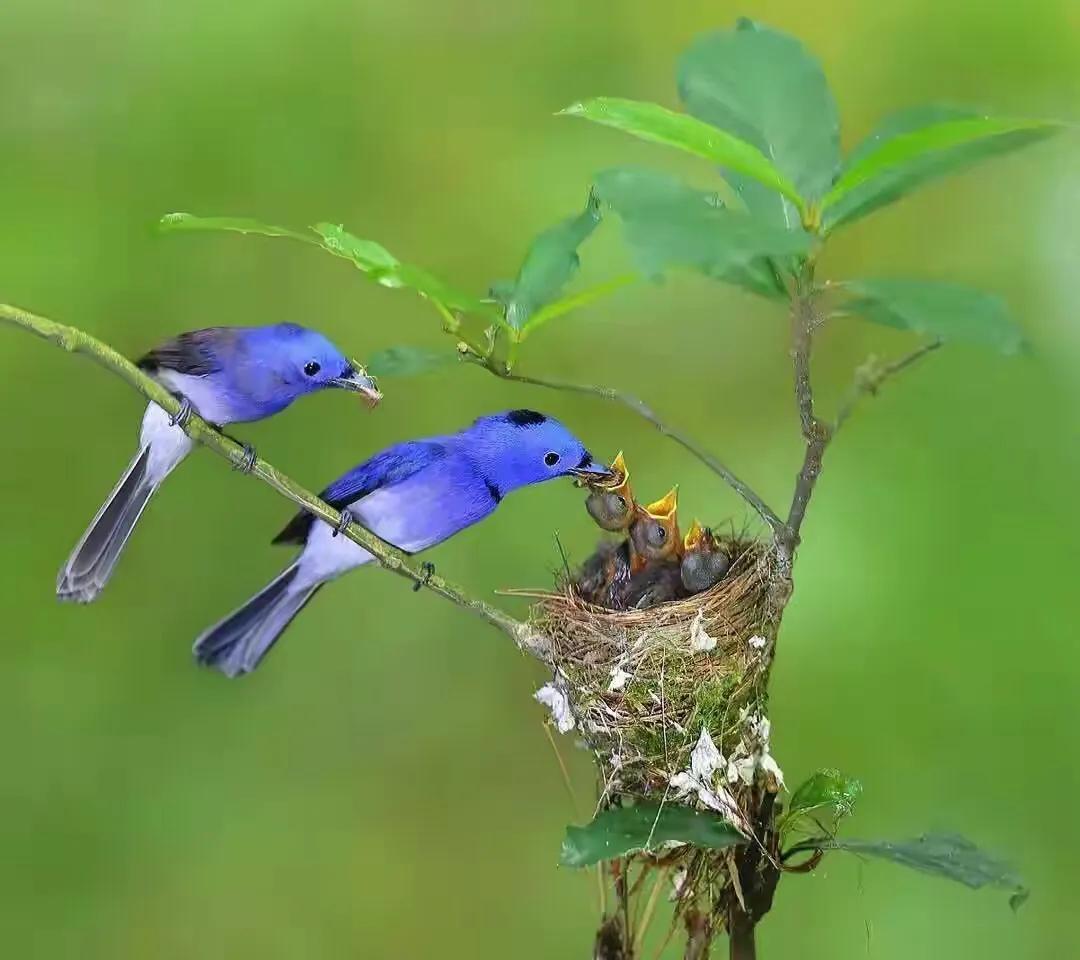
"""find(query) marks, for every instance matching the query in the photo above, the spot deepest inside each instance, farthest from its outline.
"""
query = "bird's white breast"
(204, 392)
(413, 516)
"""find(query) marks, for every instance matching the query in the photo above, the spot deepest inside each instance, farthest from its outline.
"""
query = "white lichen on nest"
(645, 687)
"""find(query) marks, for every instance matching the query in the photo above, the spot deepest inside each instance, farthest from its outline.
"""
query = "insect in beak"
(357, 379)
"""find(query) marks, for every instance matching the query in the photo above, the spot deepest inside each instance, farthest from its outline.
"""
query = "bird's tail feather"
(238, 643)
(94, 558)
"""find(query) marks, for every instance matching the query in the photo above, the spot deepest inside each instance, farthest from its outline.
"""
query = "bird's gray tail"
(94, 558)
(238, 643)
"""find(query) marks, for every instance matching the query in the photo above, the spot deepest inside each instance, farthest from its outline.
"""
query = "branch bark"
(73, 340)
(816, 433)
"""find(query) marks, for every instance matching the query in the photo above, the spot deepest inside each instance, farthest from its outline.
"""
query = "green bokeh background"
(383, 787)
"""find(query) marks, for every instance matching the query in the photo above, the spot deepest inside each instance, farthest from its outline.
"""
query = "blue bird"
(227, 375)
(414, 495)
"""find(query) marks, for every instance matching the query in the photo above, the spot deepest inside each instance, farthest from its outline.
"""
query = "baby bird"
(704, 562)
(611, 503)
(654, 533)
(655, 555)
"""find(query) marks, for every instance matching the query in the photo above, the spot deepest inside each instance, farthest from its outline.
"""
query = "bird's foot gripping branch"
(667, 684)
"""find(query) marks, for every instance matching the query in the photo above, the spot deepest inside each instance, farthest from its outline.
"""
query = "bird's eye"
(621, 501)
(311, 368)
(551, 459)
(661, 534)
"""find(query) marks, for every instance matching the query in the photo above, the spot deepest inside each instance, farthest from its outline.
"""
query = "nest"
(642, 685)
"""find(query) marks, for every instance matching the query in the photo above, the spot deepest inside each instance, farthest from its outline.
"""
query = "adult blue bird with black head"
(227, 375)
(414, 495)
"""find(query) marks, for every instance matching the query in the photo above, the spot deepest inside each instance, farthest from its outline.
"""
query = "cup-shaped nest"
(642, 685)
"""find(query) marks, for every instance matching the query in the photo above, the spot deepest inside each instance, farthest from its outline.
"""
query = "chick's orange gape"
(653, 563)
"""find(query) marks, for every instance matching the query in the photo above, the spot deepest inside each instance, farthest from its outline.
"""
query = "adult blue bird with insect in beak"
(414, 495)
(226, 375)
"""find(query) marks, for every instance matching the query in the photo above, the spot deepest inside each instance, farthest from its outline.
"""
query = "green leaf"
(577, 300)
(667, 224)
(764, 88)
(947, 311)
(407, 361)
(826, 789)
(945, 855)
(384, 268)
(367, 255)
(188, 221)
(650, 121)
(919, 145)
(646, 826)
(552, 259)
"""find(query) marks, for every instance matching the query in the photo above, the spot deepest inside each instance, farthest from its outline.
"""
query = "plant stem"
(505, 371)
(74, 340)
(741, 944)
(871, 375)
(639, 407)
(817, 433)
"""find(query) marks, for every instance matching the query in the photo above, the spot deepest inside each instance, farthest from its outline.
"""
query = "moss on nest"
(643, 684)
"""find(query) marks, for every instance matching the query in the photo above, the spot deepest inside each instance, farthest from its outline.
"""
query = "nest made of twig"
(643, 684)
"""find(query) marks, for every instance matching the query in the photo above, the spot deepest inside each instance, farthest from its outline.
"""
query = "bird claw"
(343, 522)
(247, 462)
(428, 570)
(182, 416)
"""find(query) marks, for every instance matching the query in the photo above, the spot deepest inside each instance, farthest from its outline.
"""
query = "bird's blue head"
(520, 447)
(301, 361)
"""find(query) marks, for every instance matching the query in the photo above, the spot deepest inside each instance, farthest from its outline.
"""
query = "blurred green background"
(383, 786)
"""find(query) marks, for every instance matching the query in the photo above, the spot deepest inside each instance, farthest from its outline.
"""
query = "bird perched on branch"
(704, 561)
(414, 495)
(656, 549)
(226, 375)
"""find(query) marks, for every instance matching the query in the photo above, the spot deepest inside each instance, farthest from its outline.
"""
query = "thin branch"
(643, 410)
(74, 340)
(817, 433)
(870, 377)
(485, 357)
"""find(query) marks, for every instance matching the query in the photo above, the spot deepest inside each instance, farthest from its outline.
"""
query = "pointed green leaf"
(575, 301)
(905, 153)
(188, 221)
(947, 311)
(368, 255)
(384, 268)
(650, 121)
(945, 855)
(826, 790)
(407, 361)
(646, 826)
(552, 259)
(766, 89)
(669, 224)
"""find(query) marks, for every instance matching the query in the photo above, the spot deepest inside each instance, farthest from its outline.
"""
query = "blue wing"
(385, 469)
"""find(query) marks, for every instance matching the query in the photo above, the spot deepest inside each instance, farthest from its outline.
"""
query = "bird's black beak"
(357, 379)
(592, 472)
